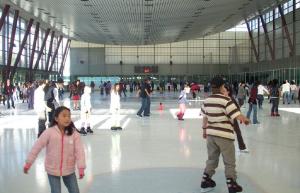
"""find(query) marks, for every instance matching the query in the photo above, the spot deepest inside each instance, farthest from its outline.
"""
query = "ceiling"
(139, 22)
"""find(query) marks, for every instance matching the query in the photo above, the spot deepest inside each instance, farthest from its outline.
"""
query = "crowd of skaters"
(219, 141)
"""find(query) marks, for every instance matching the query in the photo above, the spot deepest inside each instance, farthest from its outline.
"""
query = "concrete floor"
(157, 153)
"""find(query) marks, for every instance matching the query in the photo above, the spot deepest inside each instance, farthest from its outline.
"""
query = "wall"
(87, 61)
(91, 61)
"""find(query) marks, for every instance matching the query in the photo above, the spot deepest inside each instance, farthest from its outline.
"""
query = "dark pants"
(239, 136)
(260, 99)
(30, 102)
(143, 107)
(147, 110)
(42, 126)
(51, 114)
(10, 98)
(70, 182)
(241, 101)
(275, 103)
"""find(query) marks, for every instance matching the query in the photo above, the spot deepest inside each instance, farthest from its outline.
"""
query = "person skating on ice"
(115, 107)
(64, 151)
(182, 100)
(85, 111)
(218, 113)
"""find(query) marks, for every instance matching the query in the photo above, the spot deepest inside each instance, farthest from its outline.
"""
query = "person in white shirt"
(261, 90)
(115, 107)
(40, 106)
(286, 89)
(86, 107)
(294, 90)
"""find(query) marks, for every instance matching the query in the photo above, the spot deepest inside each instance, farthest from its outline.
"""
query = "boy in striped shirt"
(219, 112)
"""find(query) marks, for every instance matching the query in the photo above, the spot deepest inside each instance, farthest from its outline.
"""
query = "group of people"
(221, 116)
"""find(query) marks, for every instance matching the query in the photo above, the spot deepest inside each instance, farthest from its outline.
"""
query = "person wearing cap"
(219, 112)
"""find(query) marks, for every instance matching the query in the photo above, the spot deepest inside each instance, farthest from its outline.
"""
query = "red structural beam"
(50, 51)
(62, 67)
(55, 54)
(286, 30)
(3, 16)
(267, 37)
(12, 40)
(22, 47)
(64, 56)
(42, 49)
(36, 35)
(252, 41)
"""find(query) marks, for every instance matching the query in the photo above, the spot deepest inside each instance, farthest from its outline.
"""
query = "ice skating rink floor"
(156, 154)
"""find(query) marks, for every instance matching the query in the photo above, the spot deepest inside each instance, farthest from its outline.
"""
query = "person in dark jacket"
(253, 103)
(236, 126)
(9, 91)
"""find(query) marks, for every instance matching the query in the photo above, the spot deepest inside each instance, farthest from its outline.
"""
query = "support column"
(61, 69)
(286, 30)
(274, 32)
(3, 16)
(267, 37)
(55, 54)
(36, 35)
(41, 49)
(50, 51)
(21, 47)
(252, 41)
(294, 34)
(11, 45)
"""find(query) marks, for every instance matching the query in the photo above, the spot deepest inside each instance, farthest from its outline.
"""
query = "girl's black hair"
(70, 128)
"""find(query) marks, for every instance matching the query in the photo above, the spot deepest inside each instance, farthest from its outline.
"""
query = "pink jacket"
(62, 152)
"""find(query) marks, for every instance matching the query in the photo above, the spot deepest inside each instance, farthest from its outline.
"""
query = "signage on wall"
(146, 69)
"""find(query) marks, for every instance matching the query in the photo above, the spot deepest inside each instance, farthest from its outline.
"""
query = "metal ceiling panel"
(140, 22)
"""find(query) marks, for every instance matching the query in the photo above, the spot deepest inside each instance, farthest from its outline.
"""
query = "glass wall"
(222, 48)
(5, 38)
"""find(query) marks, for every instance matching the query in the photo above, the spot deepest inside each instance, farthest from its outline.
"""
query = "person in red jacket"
(63, 150)
(253, 103)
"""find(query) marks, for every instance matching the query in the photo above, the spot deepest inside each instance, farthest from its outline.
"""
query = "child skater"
(182, 101)
(219, 112)
(115, 107)
(63, 150)
(86, 111)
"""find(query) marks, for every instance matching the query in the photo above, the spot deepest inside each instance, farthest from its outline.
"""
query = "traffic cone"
(161, 107)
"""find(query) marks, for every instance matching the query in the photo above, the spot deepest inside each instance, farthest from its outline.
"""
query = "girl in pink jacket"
(63, 150)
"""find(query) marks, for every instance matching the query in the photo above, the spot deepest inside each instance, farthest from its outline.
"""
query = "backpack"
(275, 91)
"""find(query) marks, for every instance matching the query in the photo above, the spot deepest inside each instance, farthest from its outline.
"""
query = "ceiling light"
(84, 0)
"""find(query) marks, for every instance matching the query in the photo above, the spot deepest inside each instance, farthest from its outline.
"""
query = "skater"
(63, 150)
(182, 102)
(8, 91)
(144, 93)
(229, 93)
(218, 131)
(261, 90)
(275, 96)
(30, 95)
(86, 106)
(241, 94)
(40, 107)
(115, 107)
(253, 103)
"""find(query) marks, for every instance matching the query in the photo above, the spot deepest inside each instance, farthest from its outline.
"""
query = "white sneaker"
(245, 151)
